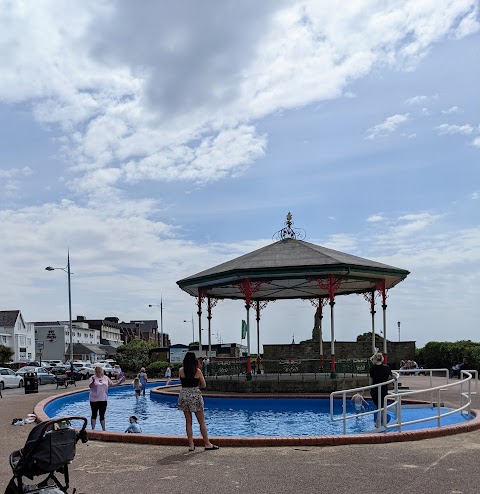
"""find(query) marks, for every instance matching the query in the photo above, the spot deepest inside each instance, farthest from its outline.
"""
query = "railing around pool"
(343, 394)
(398, 396)
(237, 367)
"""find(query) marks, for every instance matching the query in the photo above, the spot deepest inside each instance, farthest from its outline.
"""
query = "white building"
(17, 335)
(53, 338)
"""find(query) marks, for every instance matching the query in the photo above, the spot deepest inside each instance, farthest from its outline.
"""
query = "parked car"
(58, 370)
(107, 368)
(44, 377)
(8, 379)
(78, 373)
(88, 369)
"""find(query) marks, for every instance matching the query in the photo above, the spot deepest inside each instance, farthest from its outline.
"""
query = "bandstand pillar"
(248, 288)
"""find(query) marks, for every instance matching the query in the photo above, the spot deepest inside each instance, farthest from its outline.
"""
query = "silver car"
(43, 375)
(8, 379)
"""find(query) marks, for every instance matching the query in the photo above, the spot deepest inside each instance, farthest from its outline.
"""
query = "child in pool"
(137, 387)
(133, 427)
(358, 400)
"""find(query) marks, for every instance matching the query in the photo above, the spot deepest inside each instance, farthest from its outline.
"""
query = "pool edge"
(373, 438)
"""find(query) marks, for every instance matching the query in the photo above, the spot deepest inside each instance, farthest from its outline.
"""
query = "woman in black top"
(379, 373)
(190, 399)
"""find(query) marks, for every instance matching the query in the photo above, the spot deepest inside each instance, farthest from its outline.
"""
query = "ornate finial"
(289, 232)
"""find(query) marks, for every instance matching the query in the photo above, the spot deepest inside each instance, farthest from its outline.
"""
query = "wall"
(309, 349)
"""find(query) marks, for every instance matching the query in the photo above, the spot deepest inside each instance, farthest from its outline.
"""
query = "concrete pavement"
(434, 466)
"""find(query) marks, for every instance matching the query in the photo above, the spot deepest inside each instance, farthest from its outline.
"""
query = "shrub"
(134, 355)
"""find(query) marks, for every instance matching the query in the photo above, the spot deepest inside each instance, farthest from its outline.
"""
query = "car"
(8, 379)
(87, 369)
(58, 370)
(44, 377)
(107, 368)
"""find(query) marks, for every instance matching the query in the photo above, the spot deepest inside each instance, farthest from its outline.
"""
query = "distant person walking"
(379, 373)
(190, 400)
(168, 375)
(143, 379)
(99, 384)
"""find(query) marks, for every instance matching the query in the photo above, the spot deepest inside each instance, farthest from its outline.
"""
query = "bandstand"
(291, 268)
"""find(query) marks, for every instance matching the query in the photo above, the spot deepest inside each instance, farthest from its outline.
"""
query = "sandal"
(191, 450)
(213, 448)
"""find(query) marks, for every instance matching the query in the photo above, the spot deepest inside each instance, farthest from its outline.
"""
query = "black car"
(58, 370)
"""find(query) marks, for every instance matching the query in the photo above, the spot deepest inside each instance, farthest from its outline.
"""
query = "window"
(29, 356)
(4, 339)
(29, 341)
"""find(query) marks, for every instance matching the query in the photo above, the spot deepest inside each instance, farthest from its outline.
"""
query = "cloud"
(11, 178)
(388, 126)
(454, 129)
(453, 109)
(476, 142)
(142, 100)
(475, 196)
(469, 24)
(375, 218)
(416, 100)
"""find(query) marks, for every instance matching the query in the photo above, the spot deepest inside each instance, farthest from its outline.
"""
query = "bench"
(64, 380)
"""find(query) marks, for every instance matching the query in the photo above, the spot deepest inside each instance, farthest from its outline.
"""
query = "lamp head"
(49, 268)
(150, 305)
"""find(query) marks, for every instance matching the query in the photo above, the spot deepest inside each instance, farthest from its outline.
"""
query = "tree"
(5, 354)
(134, 354)
(368, 337)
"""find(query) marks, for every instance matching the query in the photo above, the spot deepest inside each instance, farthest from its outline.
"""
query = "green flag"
(244, 329)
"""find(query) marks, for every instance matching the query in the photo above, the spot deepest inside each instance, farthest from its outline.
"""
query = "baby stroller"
(50, 447)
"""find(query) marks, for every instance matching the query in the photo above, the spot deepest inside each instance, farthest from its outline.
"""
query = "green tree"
(134, 355)
(368, 337)
(6, 354)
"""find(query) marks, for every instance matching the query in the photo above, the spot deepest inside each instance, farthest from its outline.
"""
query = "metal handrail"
(344, 393)
(398, 396)
(397, 404)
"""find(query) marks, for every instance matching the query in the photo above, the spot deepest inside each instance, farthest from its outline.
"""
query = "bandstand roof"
(291, 269)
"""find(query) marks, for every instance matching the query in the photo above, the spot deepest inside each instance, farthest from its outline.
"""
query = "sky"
(157, 140)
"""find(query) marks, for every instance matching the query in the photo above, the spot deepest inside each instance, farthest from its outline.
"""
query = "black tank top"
(189, 382)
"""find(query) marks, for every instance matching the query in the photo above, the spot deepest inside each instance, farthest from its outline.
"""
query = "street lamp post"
(398, 330)
(193, 327)
(161, 319)
(67, 270)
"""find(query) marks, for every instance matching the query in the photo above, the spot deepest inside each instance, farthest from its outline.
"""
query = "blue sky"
(159, 141)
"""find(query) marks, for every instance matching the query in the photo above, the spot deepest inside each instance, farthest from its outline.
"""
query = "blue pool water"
(249, 417)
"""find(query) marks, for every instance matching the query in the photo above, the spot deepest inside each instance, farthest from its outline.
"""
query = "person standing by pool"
(168, 375)
(143, 379)
(379, 373)
(99, 384)
(190, 400)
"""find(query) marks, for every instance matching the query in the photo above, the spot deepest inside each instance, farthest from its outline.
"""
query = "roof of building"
(292, 268)
(84, 348)
(8, 318)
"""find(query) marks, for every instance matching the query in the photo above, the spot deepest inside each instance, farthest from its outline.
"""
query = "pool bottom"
(325, 440)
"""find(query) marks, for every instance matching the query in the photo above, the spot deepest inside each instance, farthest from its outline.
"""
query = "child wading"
(137, 387)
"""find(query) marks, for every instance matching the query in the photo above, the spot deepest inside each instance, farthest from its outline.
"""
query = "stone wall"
(404, 350)
(287, 385)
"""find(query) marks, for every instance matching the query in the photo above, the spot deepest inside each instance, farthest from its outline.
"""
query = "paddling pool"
(234, 417)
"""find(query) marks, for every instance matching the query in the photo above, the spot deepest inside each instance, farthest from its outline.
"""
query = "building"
(110, 330)
(53, 340)
(17, 335)
(146, 329)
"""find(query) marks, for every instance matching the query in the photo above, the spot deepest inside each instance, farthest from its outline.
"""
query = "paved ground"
(434, 466)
